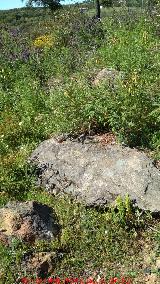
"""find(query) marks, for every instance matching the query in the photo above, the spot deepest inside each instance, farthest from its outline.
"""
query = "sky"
(11, 4)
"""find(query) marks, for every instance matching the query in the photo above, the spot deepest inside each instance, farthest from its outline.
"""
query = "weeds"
(72, 48)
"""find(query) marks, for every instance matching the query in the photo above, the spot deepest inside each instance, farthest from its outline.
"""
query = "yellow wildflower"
(43, 41)
(145, 36)
(134, 77)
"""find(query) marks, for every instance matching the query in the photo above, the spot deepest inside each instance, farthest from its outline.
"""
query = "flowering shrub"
(43, 41)
(90, 280)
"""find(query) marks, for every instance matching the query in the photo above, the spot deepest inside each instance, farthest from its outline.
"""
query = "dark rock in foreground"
(97, 173)
(27, 221)
(39, 264)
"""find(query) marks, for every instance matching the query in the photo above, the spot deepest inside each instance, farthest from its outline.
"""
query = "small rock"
(53, 83)
(40, 264)
(28, 221)
(109, 76)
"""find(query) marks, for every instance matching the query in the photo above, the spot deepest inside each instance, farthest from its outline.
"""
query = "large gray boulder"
(97, 173)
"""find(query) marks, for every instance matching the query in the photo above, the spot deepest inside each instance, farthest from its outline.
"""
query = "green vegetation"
(47, 65)
(51, 4)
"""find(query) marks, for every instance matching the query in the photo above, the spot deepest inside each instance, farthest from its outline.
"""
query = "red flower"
(113, 280)
(67, 280)
(75, 280)
(50, 280)
(39, 280)
(71, 280)
(90, 281)
(102, 281)
(81, 281)
(126, 280)
(24, 280)
(57, 280)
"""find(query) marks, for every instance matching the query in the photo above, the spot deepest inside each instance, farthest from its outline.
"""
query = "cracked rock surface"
(96, 174)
